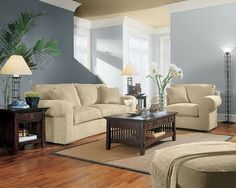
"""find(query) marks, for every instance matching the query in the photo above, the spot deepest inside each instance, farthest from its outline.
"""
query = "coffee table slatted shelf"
(130, 130)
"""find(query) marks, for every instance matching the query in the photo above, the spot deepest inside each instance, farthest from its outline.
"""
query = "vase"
(162, 101)
(32, 101)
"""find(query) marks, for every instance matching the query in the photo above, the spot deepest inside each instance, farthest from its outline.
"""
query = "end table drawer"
(34, 116)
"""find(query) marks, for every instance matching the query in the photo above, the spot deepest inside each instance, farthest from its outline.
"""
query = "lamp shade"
(227, 49)
(129, 70)
(16, 66)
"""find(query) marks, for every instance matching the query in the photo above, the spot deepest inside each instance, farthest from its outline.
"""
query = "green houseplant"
(12, 43)
(32, 98)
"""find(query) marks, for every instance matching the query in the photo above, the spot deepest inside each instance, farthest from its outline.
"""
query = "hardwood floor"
(34, 168)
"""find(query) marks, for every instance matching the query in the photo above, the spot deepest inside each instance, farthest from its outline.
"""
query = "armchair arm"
(127, 97)
(210, 102)
(57, 108)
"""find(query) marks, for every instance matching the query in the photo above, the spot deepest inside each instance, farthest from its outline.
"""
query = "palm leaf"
(46, 47)
(14, 33)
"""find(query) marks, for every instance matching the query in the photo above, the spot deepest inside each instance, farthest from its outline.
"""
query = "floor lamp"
(228, 85)
(16, 66)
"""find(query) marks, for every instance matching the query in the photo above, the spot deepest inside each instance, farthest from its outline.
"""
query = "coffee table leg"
(141, 139)
(108, 137)
(174, 131)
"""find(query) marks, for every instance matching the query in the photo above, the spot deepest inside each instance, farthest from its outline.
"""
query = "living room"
(108, 93)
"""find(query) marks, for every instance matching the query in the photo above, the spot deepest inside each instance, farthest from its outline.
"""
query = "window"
(81, 49)
(164, 54)
(139, 56)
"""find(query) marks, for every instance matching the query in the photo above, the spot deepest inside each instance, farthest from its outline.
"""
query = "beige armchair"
(196, 105)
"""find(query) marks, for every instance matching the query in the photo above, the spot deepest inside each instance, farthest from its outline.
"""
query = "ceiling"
(149, 12)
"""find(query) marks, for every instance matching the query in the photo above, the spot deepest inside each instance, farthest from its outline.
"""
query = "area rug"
(128, 157)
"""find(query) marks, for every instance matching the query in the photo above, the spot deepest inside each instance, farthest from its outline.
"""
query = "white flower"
(175, 71)
(154, 71)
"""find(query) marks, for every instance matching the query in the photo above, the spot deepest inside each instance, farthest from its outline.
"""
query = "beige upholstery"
(177, 95)
(67, 121)
(85, 113)
(201, 111)
(111, 109)
(184, 109)
(209, 164)
(88, 93)
(109, 95)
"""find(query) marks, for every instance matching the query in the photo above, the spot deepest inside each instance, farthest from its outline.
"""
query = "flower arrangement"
(161, 81)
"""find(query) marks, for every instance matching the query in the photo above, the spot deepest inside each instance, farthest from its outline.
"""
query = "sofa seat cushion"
(85, 113)
(110, 109)
(184, 109)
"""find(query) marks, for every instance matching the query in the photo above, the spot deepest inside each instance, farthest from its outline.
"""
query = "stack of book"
(27, 138)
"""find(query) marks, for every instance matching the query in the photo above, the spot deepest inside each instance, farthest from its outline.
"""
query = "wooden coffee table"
(130, 130)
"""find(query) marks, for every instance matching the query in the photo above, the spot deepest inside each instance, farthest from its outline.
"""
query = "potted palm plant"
(12, 43)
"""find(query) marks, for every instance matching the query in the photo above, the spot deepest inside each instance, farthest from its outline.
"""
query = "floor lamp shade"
(129, 71)
(228, 85)
(16, 66)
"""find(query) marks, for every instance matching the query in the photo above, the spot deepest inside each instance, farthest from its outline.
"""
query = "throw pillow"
(177, 95)
(109, 95)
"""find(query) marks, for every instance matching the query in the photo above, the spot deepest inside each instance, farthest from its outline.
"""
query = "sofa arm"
(217, 93)
(210, 102)
(127, 97)
(57, 108)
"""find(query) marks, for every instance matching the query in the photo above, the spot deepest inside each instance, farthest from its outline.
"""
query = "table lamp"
(129, 71)
(16, 66)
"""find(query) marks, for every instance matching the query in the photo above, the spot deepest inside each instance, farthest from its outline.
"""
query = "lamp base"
(228, 122)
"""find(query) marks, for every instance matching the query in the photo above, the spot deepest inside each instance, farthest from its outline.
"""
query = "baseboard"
(221, 117)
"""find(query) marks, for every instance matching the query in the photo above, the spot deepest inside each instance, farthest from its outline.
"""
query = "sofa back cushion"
(197, 91)
(88, 93)
(177, 95)
(109, 95)
(65, 92)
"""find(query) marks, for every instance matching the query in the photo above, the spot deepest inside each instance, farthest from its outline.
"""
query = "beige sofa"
(76, 110)
(196, 105)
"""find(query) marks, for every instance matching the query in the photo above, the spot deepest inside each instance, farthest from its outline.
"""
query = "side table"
(14, 122)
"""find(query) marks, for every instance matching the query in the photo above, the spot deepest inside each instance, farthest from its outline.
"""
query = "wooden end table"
(13, 120)
(132, 130)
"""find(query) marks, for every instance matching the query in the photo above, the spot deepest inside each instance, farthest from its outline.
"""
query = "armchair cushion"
(85, 113)
(184, 109)
(57, 108)
(109, 95)
(210, 102)
(177, 95)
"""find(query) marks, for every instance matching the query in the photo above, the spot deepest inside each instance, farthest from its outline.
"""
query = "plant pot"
(32, 101)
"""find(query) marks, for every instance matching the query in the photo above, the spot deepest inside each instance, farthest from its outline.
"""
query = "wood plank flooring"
(38, 168)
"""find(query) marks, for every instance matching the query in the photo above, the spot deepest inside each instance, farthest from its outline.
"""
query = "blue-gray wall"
(196, 36)
(56, 24)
